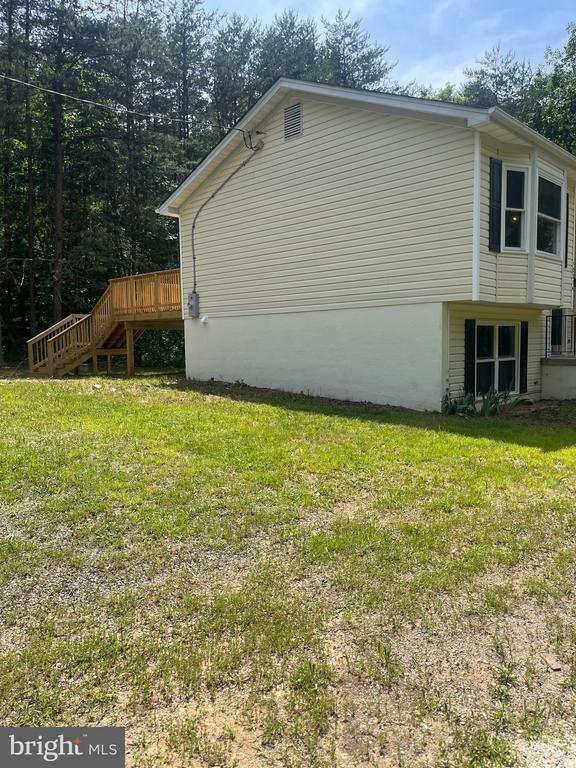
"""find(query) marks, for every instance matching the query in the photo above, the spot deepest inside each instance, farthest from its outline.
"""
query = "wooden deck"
(128, 307)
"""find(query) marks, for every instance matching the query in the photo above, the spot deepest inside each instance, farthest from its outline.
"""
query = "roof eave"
(533, 136)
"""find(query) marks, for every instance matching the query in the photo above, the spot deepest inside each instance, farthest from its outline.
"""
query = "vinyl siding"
(568, 272)
(488, 277)
(547, 280)
(363, 209)
(458, 313)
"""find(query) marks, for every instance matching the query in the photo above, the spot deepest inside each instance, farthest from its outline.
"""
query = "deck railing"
(152, 293)
(127, 298)
(560, 335)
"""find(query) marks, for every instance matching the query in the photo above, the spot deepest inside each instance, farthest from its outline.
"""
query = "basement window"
(496, 358)
(292, 120)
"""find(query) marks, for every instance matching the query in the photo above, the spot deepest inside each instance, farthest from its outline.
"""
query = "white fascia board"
(391, 100)
(470, 115)
(518, 127)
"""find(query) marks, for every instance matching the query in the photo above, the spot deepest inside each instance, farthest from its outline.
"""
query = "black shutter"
(469, 356)
(567, 230)
(495, 217)
(523, 356)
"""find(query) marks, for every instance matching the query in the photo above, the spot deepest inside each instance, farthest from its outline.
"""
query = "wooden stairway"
(128, 307)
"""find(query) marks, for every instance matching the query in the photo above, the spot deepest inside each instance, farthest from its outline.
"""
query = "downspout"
(193, 298)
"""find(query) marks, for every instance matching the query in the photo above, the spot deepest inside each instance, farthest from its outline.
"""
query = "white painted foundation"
(390, 355)
(559, 379)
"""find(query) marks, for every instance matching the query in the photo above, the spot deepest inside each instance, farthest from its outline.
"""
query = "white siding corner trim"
(476, 217)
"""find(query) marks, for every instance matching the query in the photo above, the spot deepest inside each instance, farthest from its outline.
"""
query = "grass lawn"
(249, 578)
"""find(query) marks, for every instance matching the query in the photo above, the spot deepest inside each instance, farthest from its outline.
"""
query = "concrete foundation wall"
(559, 379)
(389, 355)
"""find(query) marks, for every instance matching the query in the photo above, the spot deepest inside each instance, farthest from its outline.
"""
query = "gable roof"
(492, 121)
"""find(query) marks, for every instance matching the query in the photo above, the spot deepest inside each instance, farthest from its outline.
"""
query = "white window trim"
(561, 221)
(524, 247)
(496, 360)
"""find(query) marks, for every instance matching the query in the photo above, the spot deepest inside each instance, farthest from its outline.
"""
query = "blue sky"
(433, 41)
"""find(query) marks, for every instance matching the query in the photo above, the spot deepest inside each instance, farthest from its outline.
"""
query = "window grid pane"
(547, 235)
(507, 376)
(484, 341)
(513, 229)
(549, 198)
(506, 340)
(484, 378)
(515, 189)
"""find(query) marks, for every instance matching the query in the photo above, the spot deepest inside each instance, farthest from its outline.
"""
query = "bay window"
(496, 357)
(549, 216)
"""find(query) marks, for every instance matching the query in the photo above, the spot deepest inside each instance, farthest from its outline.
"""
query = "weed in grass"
(188, 737)
(533, 720)
(273, 728)
(569, 682)
(431, 700)
(499, 599)
(310, 705)
(506, 673)
(478, 748)
(530, 674)
(376, 661)
(502, 719)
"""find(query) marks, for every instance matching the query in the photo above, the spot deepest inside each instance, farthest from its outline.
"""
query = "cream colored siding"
(458, 313)
(568, 272)
(512, 277)
(548, 280)
(363, 209)
(488, 277)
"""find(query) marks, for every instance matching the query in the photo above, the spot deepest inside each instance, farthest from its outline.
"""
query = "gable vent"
(292, 120)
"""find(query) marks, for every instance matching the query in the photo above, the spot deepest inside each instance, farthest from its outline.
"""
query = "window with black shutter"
(495, 210)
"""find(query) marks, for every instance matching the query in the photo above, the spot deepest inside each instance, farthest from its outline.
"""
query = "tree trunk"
(185, 128)
(8, 181)
(130, 170)
(58, 255)
(31, 228)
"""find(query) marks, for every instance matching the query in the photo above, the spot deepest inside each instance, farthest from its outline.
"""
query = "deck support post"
(94, 362)
(129, 350)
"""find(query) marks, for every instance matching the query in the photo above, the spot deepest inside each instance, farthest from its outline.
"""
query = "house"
(379, 247)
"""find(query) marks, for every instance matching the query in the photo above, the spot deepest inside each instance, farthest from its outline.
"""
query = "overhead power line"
(116, 110)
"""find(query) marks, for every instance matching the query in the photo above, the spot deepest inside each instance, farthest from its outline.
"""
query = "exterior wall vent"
(292, 120)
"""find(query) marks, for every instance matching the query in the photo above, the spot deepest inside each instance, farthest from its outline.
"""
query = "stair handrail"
(37, 345)
(81, 336)
(69, 343)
